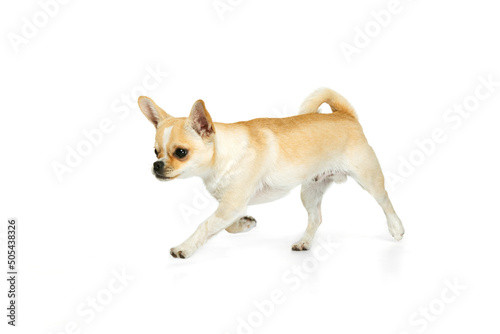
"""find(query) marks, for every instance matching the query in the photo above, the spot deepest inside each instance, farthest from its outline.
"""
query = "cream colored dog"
(261, 160)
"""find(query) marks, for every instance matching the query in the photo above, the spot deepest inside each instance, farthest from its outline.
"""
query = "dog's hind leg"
(311, 195)
(244, 224)
(367, 172)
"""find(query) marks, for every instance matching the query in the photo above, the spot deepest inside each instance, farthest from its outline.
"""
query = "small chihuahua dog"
(261, 160)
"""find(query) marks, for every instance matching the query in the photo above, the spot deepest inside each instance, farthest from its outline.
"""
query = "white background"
(261, 59)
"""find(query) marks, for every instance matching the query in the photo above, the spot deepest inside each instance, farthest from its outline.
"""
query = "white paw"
(397, 233)
(395, 227)
(181, 252)
(398, 236)
(301, 245)
(247, 223)
(244, 224)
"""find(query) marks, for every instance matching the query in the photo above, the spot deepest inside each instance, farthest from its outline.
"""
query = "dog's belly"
(269, 191)
(266, 193)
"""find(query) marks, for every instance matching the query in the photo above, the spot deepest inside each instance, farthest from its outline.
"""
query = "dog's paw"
(180, 252)
(301, 246)
(398, 236)
(244, 224)
(397, 232)
(247, 223)
(396, 228)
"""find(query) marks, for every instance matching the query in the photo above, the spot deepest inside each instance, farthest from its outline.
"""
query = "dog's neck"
(230, 146)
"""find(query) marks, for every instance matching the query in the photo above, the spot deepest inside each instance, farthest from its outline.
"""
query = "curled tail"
(337, 102)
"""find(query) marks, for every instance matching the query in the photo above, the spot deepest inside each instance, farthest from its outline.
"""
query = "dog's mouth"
(164, 178)
(160, 174)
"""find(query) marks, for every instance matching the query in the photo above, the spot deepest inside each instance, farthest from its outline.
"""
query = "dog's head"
(184, 147)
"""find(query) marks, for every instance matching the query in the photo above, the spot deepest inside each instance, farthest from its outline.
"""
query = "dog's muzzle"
(159, 170)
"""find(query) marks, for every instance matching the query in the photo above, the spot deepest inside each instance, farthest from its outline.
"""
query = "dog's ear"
(151, 110)
(201, 121)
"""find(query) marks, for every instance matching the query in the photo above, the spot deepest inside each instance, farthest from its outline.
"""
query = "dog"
(261, 160)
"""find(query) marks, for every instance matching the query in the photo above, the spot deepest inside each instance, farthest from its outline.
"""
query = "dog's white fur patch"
(166, 137)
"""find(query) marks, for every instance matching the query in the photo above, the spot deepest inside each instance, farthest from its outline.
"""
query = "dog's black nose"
(158, 165)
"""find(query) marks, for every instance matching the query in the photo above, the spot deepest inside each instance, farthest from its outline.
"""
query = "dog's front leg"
(223, 217)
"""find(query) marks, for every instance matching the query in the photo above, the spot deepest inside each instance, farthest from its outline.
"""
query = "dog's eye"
(180, 153)
(156, 152)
